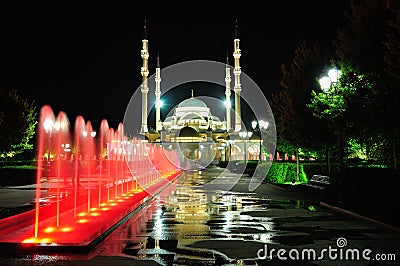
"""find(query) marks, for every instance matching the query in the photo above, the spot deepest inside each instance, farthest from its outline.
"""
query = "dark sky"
(85, 60)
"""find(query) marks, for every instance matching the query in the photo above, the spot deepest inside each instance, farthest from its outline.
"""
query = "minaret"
(158, 95)
(228, 95)
(144, 71)
(238, 87)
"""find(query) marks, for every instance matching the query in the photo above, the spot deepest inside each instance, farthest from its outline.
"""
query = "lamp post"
(245, 135)
(260, 126)
(327, 84)
(230, 142)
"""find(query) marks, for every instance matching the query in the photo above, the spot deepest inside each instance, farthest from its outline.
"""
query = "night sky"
(85, 59)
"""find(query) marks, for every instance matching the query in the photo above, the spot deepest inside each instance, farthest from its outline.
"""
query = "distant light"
(159, 103)
(254, 124)
(263, 124)
(49, 230)
(92, 133)
(37, 240)
(48, 124)
(66, 229)
(227, 103)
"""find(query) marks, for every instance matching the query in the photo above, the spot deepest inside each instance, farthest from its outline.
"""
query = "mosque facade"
(194, 113)
(192, 121)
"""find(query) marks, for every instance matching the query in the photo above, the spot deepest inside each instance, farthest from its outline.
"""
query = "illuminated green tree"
(368, 49)
(333, 101)
(18, 119)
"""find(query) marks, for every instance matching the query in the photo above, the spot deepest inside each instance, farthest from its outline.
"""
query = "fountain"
(94, 181)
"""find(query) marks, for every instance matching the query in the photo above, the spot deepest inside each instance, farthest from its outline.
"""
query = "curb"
(356, 215)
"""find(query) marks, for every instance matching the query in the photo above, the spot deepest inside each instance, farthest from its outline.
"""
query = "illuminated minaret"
(238, 87)
(158, 95)
(228, 94)
(144, 71)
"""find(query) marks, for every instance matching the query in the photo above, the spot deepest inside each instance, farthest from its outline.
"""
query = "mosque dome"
(187, 132)
(192, 116)
(192, 102)
(194, 113)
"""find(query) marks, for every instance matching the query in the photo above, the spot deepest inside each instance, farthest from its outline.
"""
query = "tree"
(367, 48)
(363, 97)
(392, 68)
(18, 119)
(332, 104)
(295, 123)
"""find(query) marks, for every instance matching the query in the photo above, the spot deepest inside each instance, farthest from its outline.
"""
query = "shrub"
(281, 173)
(17, 175)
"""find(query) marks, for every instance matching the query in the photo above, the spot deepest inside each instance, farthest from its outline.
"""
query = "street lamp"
(260, 126)
(330, 81)
(92, 133)
(245, 135)
(327, 83)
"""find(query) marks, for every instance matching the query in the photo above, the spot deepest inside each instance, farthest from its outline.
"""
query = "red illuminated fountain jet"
(93, 180)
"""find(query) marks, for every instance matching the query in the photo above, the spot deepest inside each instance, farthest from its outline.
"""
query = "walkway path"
(237, 227)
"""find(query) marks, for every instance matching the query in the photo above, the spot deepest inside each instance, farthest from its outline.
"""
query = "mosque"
(191, 127)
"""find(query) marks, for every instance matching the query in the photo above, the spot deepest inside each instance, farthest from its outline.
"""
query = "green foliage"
(338, 101)
(307, 153)
(356, 149)
(312, 208)
(368, 47)
(19, 167)
(326, 105)
(18, 119)
(284, 146)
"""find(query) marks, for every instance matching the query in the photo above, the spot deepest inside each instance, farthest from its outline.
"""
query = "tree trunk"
(328, 160)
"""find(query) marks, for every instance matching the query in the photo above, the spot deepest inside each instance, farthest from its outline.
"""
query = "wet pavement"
(189, 225)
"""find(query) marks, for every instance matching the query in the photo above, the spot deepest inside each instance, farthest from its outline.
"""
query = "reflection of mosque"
(200, 137)
(197, 212)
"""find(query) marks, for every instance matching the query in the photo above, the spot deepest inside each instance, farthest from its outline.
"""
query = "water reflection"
(186, 225)
(177, 222)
